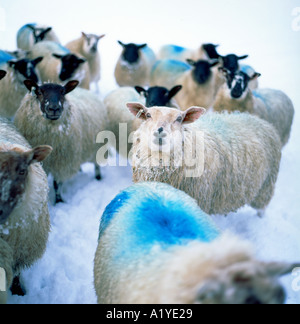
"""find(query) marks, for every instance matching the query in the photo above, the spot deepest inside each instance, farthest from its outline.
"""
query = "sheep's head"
(238, 84)
(2, 74)
(39, 34)
(162, 128)
(14, 168)
(211, 51)
(131, 52)
(158, 96)
(250, 282)
(51, 97)
(231, 63)
(202, 70)
(69, 65)
(90, 45)
(25, 68)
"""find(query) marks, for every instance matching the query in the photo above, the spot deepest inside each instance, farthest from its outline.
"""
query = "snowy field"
(267, 30)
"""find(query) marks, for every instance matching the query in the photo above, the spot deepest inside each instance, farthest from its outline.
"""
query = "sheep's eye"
(148, 115)
(22, 172)
(179, 119)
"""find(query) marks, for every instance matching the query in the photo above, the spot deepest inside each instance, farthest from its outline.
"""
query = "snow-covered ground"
(264, 29)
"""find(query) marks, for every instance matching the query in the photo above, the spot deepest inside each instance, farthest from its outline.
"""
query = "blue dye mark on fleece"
(261, 97)
(174, 66)
(156, 214)
(5, 57)
(177, 49)
(149, 53)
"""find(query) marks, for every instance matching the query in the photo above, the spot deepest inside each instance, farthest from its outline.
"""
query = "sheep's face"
(131, 52)
(231, 63)
(162, 129)
(238, 84)
(158, 96)
(249, 282)
(202, 70)
(25, 69)
(51, 97)
(14, 168)
(90, 44)
(69, 65)
(2, 74)
(39, 34)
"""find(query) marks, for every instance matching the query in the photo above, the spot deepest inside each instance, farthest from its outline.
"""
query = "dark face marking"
(51, 97)
(26, 68)
(2, 74)
(39, 34)
(70, 64)
(238, 84)
(211, 51)
(231, 63)
(131, 52)
(202, 70)
(158, 96)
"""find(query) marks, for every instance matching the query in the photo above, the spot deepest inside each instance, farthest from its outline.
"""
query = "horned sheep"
(24, 214)
(134, 65)
(60, 65)
(68, 121)
(156, 246)
(224, 161)
(271, 105)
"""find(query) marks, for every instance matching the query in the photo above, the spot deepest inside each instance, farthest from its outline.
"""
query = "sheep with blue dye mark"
(24, 214)
(67, 120)
(30, 34)
(174, 52)
(60, 65)
(271, 105)
(12, 89)
(134, 65)
(156, 246)
(118, 113)
(87, 46)
(224, 161)
(200, 80)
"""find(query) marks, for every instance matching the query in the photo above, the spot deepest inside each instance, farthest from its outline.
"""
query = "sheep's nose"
(160, 130)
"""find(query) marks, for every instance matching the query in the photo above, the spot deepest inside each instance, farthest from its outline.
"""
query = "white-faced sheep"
(30, 34)
(60, 65)
(68, 121)
(271, 105)
(156, 246)
(200, 80)
(87, 47)
(12, 89)
(134, 65)
(179, 53)
(24, 215)
(224, 161)
(118, 113)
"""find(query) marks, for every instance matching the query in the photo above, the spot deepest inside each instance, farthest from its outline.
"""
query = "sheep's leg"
(98, 172)
(17, 288)
(57, 189)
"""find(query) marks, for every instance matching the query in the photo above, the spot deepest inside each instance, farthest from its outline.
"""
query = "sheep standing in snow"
(31, 34)
(24, 215)
(12, 89)
(134, 65)
(199, 80)
(68, 121)
(174, 52)
(156, 246)
(271, 105)
(224, 161)
(118, 113)
(87, 46)
(60, 65)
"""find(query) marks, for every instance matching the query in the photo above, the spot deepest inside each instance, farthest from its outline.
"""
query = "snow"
(267, 30)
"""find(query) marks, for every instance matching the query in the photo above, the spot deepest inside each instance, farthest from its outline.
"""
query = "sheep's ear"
(242, 57)
(11, 63)
(37, 61)
(137, 109)
(57, 56)
(101, 36)
(70, 86)
(214, 63)
(122, 44)
(173, 92)
(2, 74)
(191, 62)
(30, 85)
(278, 269)
(140, 90)
(38, 154)
(193, 114)
(81, 61)
(142, 46)
(84, 35)
(255, 76)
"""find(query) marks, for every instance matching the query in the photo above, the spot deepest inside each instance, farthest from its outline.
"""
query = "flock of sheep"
(157, 242)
